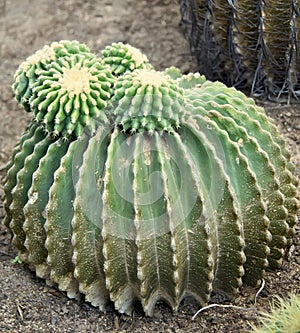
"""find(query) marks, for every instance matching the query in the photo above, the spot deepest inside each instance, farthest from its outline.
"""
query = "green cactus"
(71, 94)
(124, 57)
(183, 188)
(251, 45)
(146, 99)
(31, 68)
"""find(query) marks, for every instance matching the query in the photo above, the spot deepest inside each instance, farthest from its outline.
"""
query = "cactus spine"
(180, 187)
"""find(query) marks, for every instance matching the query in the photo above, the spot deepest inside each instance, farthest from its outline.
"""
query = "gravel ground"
(27, 304)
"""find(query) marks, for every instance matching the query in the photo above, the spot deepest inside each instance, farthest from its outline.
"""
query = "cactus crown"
(180, 187)
(123, 57)
(147, 100)
(70, 94)
(29, 70)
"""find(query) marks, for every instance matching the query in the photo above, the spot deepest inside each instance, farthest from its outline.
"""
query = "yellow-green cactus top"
(30, 69)
(147, 100)
(123, 57)
(71, 94)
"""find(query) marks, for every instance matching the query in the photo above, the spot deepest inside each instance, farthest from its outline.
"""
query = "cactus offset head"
(30, 69)
(124, 57)
(188, 189)
(187, 81)
(146, 100)
(71, 94)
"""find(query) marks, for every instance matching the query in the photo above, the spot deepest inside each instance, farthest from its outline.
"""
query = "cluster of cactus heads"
(133, 185)
(252, 45)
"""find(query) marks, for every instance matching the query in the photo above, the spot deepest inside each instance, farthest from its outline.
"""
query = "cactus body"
(251, 45)
(185, 189)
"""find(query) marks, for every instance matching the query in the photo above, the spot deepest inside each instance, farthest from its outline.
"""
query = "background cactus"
(183, 187)
(252, 45)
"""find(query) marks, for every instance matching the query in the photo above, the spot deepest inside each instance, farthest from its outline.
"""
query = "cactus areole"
(132, 185)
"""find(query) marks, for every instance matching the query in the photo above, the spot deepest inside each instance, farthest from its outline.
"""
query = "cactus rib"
(59, 213)
(13, 167)
(34, 208)
(87, 223)
(34, 148)
(119, 249)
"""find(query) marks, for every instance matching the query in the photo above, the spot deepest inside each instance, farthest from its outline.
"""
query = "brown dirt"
(27, 304)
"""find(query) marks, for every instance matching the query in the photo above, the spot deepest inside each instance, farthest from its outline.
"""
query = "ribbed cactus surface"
(180, 187)
(252, 45)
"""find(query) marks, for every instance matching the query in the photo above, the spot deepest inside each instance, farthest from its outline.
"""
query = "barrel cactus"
(252, 45)
(134, 185)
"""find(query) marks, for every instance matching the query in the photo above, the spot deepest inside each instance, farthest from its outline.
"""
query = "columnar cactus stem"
(180, 187)
(279, 43)
(251, 45)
